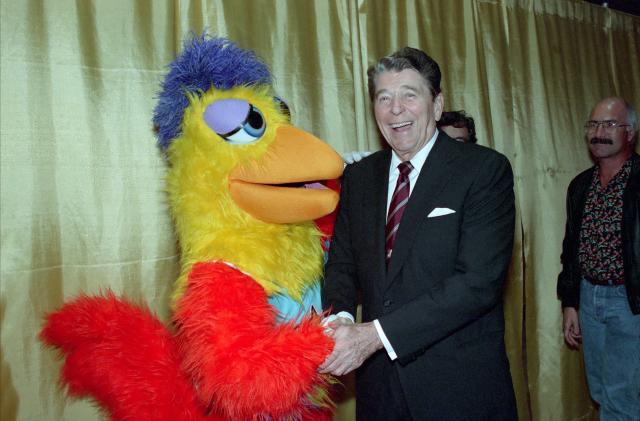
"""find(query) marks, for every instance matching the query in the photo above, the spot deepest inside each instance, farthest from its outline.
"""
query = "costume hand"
(571, 327)
(354, 343)
(355, 156)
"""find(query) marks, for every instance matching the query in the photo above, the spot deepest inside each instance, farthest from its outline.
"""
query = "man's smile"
(397, 126)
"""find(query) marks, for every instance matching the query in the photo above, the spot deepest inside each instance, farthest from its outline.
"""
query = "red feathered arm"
(242, 362)
(122, 356)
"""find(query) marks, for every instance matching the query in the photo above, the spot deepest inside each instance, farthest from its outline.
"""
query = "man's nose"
(396, 105)
(600, 130)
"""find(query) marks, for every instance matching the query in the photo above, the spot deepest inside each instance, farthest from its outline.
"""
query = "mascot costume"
(244, 191)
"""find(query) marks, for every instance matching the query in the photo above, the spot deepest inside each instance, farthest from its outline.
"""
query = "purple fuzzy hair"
(205, 62)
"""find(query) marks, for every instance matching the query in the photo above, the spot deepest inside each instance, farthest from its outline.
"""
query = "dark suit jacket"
(571, 274)
(440, 301)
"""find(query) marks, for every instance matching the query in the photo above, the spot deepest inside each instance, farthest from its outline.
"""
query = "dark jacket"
(570, 277)
(440, 301)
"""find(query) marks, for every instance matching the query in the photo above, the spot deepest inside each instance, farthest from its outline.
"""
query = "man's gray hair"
(407, 58)
(632, 115)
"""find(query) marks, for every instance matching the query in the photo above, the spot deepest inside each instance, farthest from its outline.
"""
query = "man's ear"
(438, 103)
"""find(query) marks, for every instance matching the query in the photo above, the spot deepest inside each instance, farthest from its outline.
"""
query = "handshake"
(332, 321)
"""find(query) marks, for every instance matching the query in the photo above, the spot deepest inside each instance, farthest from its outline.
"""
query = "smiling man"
(600, 280)
(424, 237)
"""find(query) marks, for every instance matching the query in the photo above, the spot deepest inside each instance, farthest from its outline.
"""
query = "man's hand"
(571, 327)
(354, 344)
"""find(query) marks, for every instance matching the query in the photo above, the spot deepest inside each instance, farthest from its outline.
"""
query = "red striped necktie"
(396, 207)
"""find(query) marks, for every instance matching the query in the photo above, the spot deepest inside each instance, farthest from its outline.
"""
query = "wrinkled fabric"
(81, 180)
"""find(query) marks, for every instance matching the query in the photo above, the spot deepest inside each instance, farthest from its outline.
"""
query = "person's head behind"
(458, 125)
(405, 90)
(612, 129)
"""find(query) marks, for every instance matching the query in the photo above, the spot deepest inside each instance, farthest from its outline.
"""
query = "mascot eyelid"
(235, 120)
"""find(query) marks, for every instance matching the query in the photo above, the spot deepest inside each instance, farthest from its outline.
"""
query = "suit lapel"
(379, 191)
(432, 179)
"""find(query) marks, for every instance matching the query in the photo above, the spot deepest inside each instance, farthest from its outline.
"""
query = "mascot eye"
(253, 127)
(235, 120)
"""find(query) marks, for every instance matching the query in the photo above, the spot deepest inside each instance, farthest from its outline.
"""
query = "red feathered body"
(123, 357)
(242, 363)
(228, 360)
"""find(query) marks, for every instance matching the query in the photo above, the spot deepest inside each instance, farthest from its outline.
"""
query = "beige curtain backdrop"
(83, 207)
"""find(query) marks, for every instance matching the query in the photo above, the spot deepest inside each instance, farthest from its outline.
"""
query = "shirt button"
(387, 303)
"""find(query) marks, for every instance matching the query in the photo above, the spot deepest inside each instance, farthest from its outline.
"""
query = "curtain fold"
(83, 207)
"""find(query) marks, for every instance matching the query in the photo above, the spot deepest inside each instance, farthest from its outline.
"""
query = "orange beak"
(260, 187)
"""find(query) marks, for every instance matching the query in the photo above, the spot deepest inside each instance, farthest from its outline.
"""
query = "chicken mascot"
(246, 340)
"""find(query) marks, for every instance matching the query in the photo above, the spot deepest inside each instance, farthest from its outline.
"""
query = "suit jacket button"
(387, 303)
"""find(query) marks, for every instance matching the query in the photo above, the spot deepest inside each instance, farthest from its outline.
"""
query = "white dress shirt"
(417, 162)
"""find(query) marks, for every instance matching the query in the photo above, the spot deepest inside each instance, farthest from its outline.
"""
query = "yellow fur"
(211, 227)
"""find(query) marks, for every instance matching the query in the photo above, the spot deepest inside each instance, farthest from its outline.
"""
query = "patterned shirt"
(600, 251)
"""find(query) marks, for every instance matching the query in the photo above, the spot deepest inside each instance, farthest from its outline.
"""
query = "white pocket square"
(440, 212)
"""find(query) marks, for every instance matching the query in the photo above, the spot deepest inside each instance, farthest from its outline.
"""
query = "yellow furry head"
(211, 226)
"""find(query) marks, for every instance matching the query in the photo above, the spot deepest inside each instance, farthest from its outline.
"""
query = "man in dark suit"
(431, 345)
(600, 280)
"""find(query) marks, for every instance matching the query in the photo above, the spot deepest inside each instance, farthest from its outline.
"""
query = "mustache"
(601, 140)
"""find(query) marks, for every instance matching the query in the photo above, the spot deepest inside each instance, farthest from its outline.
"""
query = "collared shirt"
(600, 249)
(417, 162)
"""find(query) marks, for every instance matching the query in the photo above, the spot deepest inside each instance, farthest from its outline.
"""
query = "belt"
(605, 283)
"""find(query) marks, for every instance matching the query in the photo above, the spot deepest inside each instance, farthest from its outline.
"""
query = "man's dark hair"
(459, 119)
(407, 58)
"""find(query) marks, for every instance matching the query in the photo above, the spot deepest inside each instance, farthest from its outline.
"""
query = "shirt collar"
(419, 158)
(619, 179)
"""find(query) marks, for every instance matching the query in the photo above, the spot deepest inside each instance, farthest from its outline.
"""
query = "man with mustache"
(599, 285)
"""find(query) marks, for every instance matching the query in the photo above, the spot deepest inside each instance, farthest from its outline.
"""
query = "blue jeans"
(611, 347)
